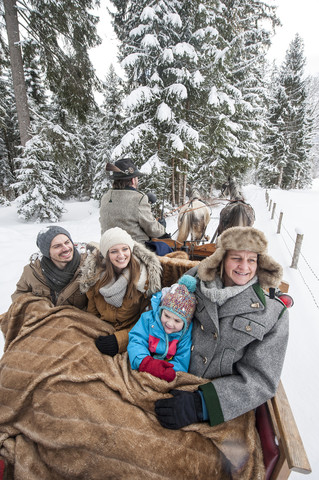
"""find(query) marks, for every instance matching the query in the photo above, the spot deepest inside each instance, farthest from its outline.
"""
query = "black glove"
(152, 198)
(162, 221)
(184, 408)
(107, 344)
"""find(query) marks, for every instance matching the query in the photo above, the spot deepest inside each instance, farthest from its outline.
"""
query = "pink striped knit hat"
(180, 299)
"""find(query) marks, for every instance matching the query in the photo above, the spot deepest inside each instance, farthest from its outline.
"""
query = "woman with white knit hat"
(119, 278)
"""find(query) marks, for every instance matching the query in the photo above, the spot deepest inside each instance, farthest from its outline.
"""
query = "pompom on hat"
(46, 235)
(269, 272)
(115, 236)
(180, 299)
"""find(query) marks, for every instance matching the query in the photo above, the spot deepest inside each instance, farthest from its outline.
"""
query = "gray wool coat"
(131, 211)
(241, 346)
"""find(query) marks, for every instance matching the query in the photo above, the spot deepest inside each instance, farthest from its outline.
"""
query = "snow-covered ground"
(300, 376)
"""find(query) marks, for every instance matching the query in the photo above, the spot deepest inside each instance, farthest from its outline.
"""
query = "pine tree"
(313, 109)
(288, 164)
(109, 130)
(161, 67)
(39, 198)
(270, 169)
(50, 168)
(9, 136)
(59, 35)
(237, 92)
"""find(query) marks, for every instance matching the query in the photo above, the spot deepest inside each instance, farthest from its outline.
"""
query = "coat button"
(248, 328)
(215, 335)
(205, 360)
(201, 327)
(192, 348)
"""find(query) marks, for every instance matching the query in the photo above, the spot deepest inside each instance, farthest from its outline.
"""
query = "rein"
(195, 208)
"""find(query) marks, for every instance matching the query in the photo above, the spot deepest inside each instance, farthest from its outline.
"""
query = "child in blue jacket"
(160, 342)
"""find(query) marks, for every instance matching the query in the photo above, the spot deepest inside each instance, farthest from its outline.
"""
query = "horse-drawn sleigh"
(78, 414)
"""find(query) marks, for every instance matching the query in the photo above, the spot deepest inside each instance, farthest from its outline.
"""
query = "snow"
(183, 48)
(150, 41)
(164, 113)
(299, 377)
(177, 89)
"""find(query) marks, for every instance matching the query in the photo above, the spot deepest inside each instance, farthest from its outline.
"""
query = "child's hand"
(158, 368)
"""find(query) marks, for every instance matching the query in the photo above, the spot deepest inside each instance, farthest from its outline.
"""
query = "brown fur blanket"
(69, 412)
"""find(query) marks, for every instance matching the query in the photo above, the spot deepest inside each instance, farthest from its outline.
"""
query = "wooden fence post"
(273, 211)
(297, 250)
(280, 222)
(267, 197)
(270, 203)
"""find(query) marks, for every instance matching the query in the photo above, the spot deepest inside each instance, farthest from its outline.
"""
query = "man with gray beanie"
(54, 273)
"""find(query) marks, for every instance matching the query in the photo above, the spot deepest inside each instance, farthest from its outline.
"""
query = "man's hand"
(184, 408)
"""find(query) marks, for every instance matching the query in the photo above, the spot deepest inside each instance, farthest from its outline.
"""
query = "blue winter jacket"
(148, 337)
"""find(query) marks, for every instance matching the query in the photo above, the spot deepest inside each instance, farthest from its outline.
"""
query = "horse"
(237, 213)
(231, 190)
(193, 219)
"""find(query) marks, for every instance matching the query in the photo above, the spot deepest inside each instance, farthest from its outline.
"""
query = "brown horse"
(193, 219)
(236, 213)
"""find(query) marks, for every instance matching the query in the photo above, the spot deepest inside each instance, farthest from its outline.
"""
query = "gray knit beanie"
(115, 236)
(46, 235)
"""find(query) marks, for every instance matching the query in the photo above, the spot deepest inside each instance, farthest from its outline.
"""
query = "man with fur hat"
(54, 273)
(125, 207)
(240, 333)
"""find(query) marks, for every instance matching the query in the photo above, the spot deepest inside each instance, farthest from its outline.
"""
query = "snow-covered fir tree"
(287, 163)
(235, 120)
(46, 170)
(109, 130)
(313, 109)
(270, 168)
(161, 65)
(195, 77)
(9, 136)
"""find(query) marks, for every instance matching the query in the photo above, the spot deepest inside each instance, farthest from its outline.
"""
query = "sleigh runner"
(282, 445)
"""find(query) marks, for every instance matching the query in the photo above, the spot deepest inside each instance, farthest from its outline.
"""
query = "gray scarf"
(113, 293)
(217, 293)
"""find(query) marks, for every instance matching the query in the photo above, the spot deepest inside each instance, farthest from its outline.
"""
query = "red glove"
(158, 368)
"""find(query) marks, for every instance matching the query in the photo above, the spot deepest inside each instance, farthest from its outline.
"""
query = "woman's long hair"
(109, 273)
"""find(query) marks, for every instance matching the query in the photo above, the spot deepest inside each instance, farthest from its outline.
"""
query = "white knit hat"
(115, 236)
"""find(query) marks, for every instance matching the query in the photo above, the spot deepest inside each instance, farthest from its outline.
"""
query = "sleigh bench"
(282, 445)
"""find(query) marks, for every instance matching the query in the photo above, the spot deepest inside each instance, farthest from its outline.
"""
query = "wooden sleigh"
(282, 445)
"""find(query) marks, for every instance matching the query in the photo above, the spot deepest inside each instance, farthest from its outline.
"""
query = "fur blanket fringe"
(69, 412)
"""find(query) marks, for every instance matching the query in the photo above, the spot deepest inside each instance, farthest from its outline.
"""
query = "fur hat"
(180, 299)
(269, 272)
(46, 235)
(115, 236)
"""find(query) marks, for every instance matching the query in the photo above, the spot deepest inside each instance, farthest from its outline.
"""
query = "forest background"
(198, 103)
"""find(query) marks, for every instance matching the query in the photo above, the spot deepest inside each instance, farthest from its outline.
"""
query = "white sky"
(296, 16)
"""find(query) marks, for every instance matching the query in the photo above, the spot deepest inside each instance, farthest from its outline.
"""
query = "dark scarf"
(56, 278)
